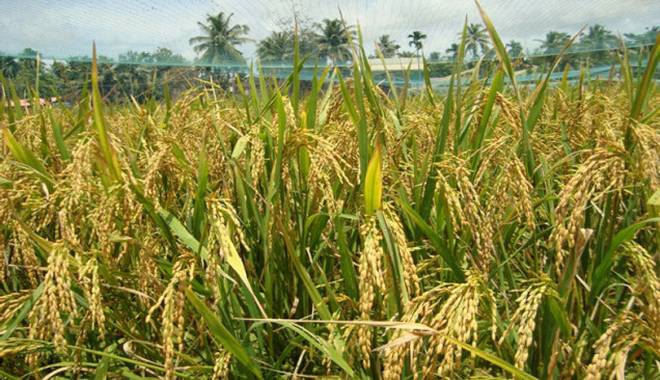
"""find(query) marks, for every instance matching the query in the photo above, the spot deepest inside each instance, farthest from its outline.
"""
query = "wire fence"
(125, 79)
(246, 66)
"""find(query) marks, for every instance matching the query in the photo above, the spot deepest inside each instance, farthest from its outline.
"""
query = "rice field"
(495, 231)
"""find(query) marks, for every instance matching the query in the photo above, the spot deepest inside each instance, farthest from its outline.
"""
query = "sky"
(62, 28)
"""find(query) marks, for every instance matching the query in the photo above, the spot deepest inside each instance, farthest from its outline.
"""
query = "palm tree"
(334, 40)
(599, 41)
(416, 39)
(307, 43)
(476, 38)
(552, 45)
(643, 39)
(554, 42)
(598, 37)
(218, 44)
(276, 48)
(387, 47)
(8, 66)
(453, 51)
(515, 49)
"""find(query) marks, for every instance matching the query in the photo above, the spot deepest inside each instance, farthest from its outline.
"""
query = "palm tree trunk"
(419, 68)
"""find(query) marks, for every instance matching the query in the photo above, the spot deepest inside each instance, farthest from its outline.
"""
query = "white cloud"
(67, 27)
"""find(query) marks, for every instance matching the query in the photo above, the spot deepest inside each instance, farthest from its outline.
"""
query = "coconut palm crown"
(387, 46)
(334, 40)
(220, 39)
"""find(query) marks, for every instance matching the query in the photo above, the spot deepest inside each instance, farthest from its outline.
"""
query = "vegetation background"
(498, 230)
(142, 74)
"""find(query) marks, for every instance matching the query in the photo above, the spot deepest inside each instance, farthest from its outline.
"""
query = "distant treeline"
(142, 75)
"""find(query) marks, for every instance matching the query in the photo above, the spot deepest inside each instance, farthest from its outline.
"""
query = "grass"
(494, 231)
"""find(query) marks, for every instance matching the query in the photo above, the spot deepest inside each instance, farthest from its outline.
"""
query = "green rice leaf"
(601, 273)
(222, 335)
(517, 374)
(29, 159)
(373, 183)
(110, 161)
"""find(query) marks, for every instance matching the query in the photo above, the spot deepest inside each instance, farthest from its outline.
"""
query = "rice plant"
(495, 231)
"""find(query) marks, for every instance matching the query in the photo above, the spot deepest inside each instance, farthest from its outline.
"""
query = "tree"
(138, 74)
(28, 58)
(306, 30)
(598, 37)
(598, 41)
(452, 51)
(276, 48)
(416, 39)
(644, 39)
(551, 46)
(440, 69)
(71, 75)
(334, 40)
(218, 44)
(132, 74)
(407, 54)
(387, 46)
(554, 42)
(25, 79)
(166, 56)
(8, 66)
(307, 43)
(434, 56)
(514, 49)
(476, 38)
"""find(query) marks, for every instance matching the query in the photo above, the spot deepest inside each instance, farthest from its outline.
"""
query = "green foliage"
(333, 230)
(334, 39)
(220, 39)
(387, 46)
